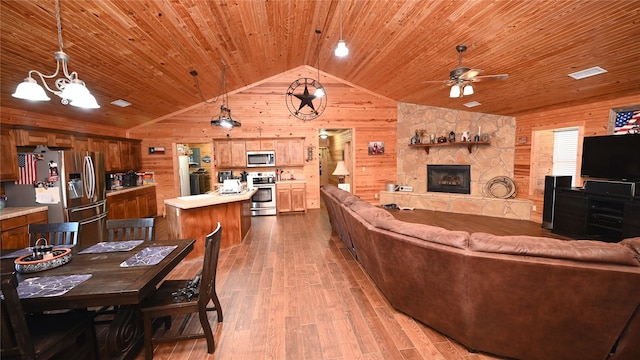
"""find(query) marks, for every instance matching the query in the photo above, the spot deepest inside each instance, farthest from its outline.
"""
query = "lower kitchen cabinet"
(132, 203)
(14, 231)
(291, 197)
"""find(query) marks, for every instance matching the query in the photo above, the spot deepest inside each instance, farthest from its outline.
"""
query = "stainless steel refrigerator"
(70, 183)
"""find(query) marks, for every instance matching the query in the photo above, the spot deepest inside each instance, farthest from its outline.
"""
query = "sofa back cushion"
(578, 250)
(458, 239)
(633, 244)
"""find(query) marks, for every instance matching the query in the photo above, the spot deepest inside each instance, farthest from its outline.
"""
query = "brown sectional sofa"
(516, 296)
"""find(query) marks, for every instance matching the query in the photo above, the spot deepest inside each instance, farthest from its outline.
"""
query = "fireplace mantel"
(458, 203)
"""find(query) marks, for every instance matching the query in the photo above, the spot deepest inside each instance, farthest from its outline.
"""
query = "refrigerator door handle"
(90, 177)
(82, 208)
(93, 219)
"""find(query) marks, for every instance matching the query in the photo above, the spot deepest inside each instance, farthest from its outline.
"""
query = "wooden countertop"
(11, 212)
(295, 181)
(127, 189)
(202, 200)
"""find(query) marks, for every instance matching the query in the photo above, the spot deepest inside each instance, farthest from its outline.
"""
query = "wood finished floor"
(293, 291)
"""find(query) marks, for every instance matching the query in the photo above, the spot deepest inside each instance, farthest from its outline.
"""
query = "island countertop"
(202, 200)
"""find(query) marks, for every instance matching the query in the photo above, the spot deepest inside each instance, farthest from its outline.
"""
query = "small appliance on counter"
(231, 186)
(224, 175)
(130, 178)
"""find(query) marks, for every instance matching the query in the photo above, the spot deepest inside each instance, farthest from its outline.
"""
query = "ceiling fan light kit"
(461, 78)
(70, 88)
(223, 119)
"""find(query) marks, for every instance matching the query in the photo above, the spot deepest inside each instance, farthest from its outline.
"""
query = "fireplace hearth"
(454, 179)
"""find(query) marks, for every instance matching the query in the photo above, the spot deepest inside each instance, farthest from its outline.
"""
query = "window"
(565, 153)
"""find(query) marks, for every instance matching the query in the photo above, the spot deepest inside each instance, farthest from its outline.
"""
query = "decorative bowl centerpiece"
(44, 257)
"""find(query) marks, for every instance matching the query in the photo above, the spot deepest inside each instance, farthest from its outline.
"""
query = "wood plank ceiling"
(142, 51)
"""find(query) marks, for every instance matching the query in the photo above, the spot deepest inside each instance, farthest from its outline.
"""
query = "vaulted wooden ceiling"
(143, 51)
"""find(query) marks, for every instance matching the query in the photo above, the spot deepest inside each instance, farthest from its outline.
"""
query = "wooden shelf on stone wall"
(468, 144)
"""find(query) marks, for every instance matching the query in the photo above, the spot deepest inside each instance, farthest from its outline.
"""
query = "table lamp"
(341, 171)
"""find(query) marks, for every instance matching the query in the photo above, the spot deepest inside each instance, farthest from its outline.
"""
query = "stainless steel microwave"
(261, 158)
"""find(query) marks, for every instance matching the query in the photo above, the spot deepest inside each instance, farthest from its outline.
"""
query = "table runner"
(148, 256)
(48, 286)
(113, 246)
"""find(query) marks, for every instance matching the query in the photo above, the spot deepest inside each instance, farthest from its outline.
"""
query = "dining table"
(120, 274)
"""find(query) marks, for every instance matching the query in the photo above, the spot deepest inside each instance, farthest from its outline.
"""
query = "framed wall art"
(376, 147)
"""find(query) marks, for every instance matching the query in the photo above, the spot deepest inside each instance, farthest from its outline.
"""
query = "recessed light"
(596, 70)
(121, 103)
(472, 104)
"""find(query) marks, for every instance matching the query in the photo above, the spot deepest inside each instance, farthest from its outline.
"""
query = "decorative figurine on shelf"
(442, 139)
(416, 138)
(465, 136)
(477, 137)
(432, 138)
(452, 137)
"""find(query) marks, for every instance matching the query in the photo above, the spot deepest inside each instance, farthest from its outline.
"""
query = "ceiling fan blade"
(470, 74)
(436, 81)
(491, 77)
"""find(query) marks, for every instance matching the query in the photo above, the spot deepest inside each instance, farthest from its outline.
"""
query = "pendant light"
(341, 50)
(320, 89)
(70, 88)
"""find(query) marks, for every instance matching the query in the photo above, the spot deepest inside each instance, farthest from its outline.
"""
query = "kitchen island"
(196, 216)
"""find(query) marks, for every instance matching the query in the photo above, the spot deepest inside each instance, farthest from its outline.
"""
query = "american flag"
(627, 122)
(27, 167)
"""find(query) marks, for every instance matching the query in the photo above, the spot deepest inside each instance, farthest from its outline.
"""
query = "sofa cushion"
(633, 244)
(578, 250)
(374, 214)
(458, 239)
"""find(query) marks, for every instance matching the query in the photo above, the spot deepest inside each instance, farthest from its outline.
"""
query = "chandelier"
(320, 89)
(70, 88)
(341, 49)
(223, 118)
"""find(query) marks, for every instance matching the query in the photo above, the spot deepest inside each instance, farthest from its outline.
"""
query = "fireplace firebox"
(454, 179)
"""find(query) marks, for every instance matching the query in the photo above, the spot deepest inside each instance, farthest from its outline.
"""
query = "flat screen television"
(612, 157)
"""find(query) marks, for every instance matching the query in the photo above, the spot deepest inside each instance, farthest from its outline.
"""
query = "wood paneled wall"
(262, 110)
(594, 118)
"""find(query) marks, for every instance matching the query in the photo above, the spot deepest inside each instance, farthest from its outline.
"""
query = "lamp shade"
(87, 101)
(455, 91)
(341, 49)
(341, 169)
(467, 90)
(30, 90)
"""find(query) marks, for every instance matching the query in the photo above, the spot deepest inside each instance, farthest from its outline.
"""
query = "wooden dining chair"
(56, 233)
(186, 297)
(131, 229)
(68, 335)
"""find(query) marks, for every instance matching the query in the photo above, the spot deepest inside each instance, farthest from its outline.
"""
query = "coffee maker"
(224, 175)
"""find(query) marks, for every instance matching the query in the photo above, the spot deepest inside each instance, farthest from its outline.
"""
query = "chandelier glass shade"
(323, 134)
(68, 86)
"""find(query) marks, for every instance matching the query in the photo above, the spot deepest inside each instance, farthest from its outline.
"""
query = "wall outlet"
(405, 188)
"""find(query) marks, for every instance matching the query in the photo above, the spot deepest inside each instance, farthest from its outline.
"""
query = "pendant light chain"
(59, 25)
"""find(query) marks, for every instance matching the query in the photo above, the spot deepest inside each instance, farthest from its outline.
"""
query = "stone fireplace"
(454, 179)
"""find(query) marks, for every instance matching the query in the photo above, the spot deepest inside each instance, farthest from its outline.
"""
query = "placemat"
(113, 246)
(48, 286)
(148, 256)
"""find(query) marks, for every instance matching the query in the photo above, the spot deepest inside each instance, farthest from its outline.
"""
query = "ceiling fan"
(460, 78)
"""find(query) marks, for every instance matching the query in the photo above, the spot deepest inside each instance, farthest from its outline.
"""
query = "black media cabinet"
(580, 214)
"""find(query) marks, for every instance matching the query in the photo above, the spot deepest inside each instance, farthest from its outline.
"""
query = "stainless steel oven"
(263, 202)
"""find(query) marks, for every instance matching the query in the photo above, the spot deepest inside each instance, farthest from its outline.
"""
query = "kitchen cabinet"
(132, 203)
(9, 155)
(112, 157)
(14, 231)
(231, 154)
(260, 144)
(26, 137)
(291, 197)
(80, 143)
(290, 152)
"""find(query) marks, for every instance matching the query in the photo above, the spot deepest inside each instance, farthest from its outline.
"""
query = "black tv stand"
(581, 214)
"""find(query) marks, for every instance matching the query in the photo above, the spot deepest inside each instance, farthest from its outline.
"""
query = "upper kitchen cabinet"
(38, 137)
(80, 143)
(290, 152)
(112, 158)
(231, 154)
(9, 155)
(260, 144)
